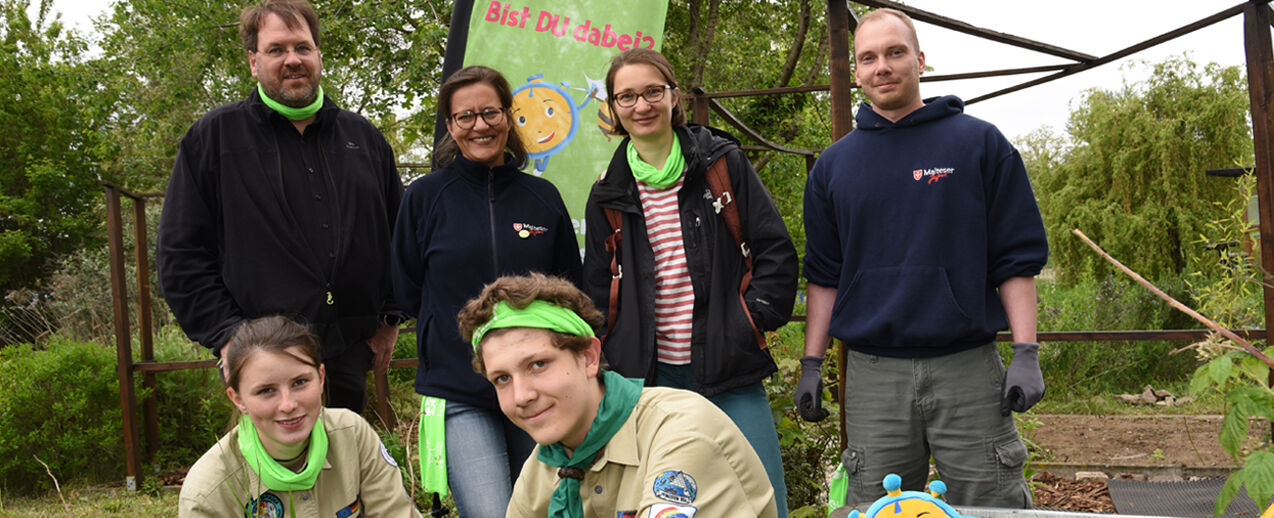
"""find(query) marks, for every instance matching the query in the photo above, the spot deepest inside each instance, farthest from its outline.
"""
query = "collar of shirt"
(622, 448)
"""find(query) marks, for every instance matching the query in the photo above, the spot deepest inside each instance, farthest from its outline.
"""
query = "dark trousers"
(347, 377)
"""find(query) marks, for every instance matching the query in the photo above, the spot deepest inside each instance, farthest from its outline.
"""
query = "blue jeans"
(485, 453)
(748, 407)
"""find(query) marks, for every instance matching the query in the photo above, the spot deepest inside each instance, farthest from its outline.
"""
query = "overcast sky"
(1095, 27)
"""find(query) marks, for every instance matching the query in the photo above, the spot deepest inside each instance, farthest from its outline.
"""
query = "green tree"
(1133, 176)
(50, 114)
(173, 60)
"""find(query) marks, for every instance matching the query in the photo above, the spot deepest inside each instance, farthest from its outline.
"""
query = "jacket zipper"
(495, 257)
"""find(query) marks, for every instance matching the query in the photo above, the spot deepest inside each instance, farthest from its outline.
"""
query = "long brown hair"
(447, 149)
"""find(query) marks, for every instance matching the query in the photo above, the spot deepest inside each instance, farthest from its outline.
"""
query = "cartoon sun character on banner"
(547, 118)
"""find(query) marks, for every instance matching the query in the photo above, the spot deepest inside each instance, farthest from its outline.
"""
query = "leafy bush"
(61, 403)
(1228, 285)
(1079, 370)
(193, 408)
(56, 404)
(810, 450)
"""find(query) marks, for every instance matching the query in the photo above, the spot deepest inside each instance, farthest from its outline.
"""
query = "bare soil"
(1135, 447)
(1153, 440)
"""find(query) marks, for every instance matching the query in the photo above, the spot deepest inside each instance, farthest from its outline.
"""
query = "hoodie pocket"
(909, 306)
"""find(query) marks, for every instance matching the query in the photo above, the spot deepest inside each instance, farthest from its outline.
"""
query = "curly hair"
(520, 290)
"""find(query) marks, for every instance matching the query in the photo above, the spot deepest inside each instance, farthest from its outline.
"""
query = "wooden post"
(1260, 77)
(838, 33)
(382, 397)
(150, 407)
(123, 345)
(700, 108)
(839, 19)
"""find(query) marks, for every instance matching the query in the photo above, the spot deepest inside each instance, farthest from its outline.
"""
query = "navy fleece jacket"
(916, 224)
(459, 228)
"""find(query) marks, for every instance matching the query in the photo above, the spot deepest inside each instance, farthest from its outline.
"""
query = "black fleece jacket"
(229, 248)
(723, 349)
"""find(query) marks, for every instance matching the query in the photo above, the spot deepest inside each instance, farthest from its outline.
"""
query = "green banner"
(555, 54)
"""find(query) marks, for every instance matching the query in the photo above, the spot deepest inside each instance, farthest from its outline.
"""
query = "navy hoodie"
(917, 223)
(459, 228)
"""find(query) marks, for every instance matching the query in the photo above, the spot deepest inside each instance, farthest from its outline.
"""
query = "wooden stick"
(56, 486)
(1247, 347)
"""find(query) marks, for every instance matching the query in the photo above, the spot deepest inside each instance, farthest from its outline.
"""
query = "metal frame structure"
(841, 23)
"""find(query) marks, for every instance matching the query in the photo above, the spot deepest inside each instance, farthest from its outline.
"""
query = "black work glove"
(1023, 382)
(809, 392)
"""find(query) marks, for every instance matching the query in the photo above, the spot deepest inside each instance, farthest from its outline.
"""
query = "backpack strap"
(724, 204)
(613, 244)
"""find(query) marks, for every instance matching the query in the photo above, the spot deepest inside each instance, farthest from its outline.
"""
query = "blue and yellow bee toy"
(909, 504)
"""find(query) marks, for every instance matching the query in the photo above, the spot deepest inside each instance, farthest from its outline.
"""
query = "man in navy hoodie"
(923, 241)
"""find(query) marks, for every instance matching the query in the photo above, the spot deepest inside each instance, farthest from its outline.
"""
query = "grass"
(92, 502)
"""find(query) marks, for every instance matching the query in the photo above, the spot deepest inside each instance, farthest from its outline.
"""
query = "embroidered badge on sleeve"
(388, 458)
(352, 510)
(677, 487)
(671, 511)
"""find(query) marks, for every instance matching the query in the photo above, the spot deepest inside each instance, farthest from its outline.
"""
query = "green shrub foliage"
(61, 405)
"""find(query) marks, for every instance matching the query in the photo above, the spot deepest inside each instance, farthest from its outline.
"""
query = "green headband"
(538, 314)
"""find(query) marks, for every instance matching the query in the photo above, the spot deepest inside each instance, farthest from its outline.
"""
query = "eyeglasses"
(302, 51)
(652, 95)
(466, 119)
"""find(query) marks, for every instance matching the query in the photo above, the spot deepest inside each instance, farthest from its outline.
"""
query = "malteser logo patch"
(526, 230)
(933, 175)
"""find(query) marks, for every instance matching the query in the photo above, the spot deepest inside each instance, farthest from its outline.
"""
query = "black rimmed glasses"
(652, 95)
(466, 119)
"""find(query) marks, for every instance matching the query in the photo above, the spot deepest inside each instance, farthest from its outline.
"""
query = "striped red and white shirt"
(674, 293)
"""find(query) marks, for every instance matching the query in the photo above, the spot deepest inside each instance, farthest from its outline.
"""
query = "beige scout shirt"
(359, 478)
(678, 455)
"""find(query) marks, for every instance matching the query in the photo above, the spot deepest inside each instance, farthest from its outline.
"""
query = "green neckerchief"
(274, 475)
(538, 314)
(431, 442)
(659, 179)
(292, 114)
(617, 403)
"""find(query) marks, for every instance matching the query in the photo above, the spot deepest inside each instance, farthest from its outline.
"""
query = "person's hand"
(1023, 382)
(382, 346)
(809, 392)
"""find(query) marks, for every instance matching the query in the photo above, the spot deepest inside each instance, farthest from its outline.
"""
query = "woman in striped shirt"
(669, 281)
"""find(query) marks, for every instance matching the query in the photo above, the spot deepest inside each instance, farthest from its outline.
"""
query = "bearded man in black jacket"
(283, 203)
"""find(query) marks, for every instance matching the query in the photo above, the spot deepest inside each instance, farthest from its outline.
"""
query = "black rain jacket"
(724, 353)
